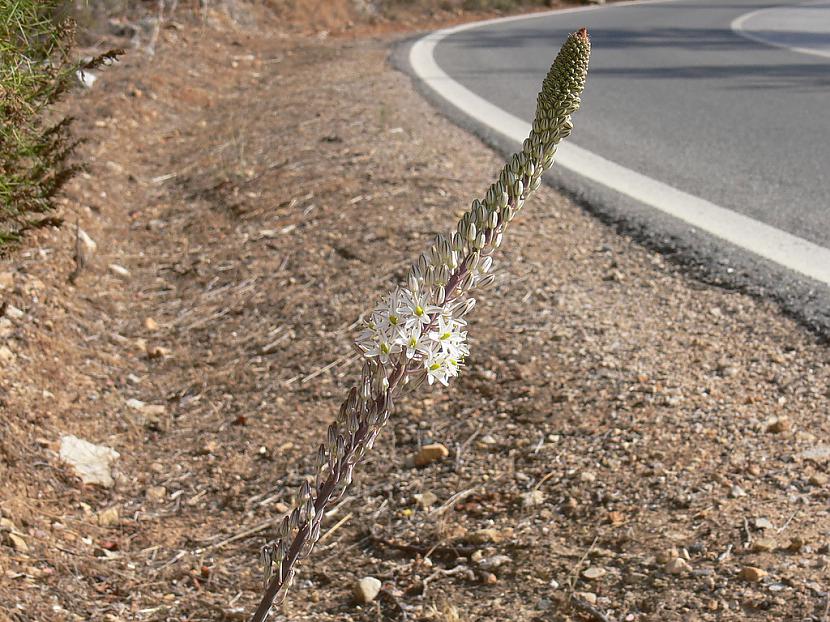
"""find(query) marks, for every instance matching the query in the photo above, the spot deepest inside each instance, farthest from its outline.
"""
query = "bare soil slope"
(654, 446)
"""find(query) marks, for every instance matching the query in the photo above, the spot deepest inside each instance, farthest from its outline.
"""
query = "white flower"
(449, 335)
(414, 341)
(381, 344)
(417, 308)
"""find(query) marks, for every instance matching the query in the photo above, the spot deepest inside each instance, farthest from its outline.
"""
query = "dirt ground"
(626, 444)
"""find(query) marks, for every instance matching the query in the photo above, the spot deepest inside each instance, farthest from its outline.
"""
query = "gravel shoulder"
(627, 442)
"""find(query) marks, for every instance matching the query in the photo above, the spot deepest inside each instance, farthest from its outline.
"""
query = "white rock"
(88, 245)
(13, 312)
(91, 462)
(135, 404)
(120, 271)
(366, 590)
(86, 78)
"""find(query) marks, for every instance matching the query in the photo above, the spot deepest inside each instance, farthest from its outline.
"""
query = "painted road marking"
(789, 27)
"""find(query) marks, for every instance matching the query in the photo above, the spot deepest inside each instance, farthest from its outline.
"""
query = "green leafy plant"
(36, 70)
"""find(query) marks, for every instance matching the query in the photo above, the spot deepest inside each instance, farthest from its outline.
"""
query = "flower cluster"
(406, 325)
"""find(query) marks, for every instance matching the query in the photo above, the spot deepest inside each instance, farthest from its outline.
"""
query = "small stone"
(366, 590)
(762, 523)
(819, 453)
(736, 492)
(592, 573)
(752, 574)
(488, 578)
(678, 566)
(665, 556)
(13, 312)
(135, 404)
(489, 536)
(587, 476)
(150, 324)
(487, 439)
(777, 425)
(616, 518)
(6, 281)
(431, 453)
(88, 245)
(588, 597)
(108, 517)
(119, 271)
(17, 542)
(819, 479)
(156, 494)
(491, 563)
(6, 328)
(6, 355)
(533, 498)
(763, 545)
(91, 462)
(796, 544)
(426, 499)
(157, 352)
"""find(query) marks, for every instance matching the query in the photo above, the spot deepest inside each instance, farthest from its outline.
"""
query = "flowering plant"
(417, 332)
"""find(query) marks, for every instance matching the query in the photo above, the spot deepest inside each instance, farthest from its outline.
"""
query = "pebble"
(92, 463)
(664, 557)
(120, 271)
(156, 494)
(6, 355)
(588, 476)
(752, 574)
(18, 543)
(6, 280)
(489, 536)
(150, 324)
(678, 566)
(88, 245)
(431, 453)
(594, 572)
(6, 328)
(763, 545)
(426, 499)
(763, 523)
(819, 453)
(108, 517)
(737, 492)
(777, 425)
(366, 590)
(588, 597)
(819, 479)
(496, 561)
(796, 544)
(533, 498)
(13, 312)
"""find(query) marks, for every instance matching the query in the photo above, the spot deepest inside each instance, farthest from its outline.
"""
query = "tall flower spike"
(415, 334)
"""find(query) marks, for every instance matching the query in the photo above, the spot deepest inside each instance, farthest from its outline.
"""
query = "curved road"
(728, 102)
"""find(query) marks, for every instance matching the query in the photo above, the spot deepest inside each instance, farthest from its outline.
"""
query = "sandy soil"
(626, 444)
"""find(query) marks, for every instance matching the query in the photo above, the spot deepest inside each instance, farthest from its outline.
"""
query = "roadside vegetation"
(36, 69)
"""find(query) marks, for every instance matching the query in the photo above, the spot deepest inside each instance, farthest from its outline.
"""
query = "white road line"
(739, 27)
(778, 246)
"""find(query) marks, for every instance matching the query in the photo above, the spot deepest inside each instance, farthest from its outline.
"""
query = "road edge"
(708, 257)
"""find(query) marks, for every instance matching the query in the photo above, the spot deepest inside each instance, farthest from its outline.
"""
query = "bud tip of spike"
(582, 33)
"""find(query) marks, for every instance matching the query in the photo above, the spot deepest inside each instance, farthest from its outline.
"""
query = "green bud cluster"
(522, 175)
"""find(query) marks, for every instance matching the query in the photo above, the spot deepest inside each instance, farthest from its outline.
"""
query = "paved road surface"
(708, 97)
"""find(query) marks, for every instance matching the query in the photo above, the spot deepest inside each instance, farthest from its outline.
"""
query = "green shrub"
(36, 69)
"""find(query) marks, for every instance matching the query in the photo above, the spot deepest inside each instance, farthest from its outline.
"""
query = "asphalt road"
(725, 101)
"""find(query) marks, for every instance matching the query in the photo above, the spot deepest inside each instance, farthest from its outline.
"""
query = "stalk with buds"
(416, 333)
